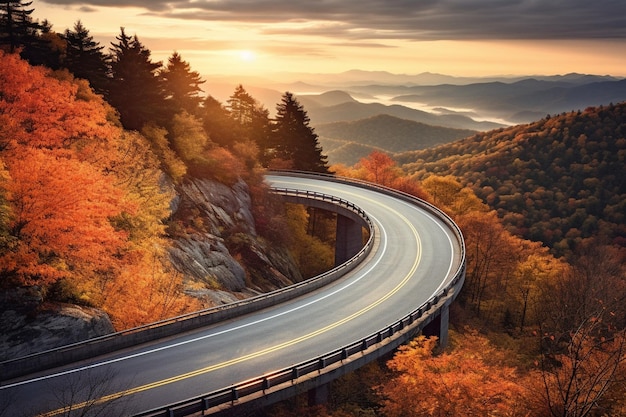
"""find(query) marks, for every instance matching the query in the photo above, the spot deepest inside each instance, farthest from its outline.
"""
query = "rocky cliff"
(217, 248)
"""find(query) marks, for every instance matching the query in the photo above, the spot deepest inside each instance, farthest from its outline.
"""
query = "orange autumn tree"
(577, 382)
(84, 199)
(60, 201)
(474, 379)
(59, 218)
(379, 168)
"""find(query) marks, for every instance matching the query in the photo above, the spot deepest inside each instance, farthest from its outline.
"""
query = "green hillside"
(382, 132)
(558, 180)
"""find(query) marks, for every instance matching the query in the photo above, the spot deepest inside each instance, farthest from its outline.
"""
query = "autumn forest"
(95, 143)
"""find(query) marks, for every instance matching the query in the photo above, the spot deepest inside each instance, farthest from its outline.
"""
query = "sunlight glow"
(247, 56)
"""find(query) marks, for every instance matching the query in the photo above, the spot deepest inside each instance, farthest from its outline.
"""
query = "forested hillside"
(82, 201)
(384, 133)
(559, 180)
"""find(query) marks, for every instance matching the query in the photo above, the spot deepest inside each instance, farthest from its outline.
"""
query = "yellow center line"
(259, 353)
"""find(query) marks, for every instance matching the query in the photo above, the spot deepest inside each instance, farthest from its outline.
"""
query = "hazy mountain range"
(457, 103)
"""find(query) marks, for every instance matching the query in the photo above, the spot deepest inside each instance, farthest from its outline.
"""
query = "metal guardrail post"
(344, 354)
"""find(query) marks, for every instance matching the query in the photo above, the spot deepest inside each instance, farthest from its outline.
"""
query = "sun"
(247, 55)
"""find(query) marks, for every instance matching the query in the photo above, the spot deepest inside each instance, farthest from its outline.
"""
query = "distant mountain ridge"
(521, 98)
(354, 110)
(356, 94)
(357, 77)
(326, 99)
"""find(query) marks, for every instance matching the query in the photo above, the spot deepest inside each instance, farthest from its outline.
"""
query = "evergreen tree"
(84, 57)
(218, 124)
(251, 119)
(182, 86)
(43, 46)
(242, 106)
(136, 89)
(37, 43)
(294, 140)
(16, 25)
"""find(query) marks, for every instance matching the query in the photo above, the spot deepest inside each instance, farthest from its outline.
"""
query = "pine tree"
(16, 25)
(182, 86)
(136, 89)
(242, 106)
(217, 122)
(84, 57)
(294, 140)
(251, 119)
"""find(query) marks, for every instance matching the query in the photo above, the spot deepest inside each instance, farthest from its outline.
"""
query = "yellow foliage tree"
(189, 139)
(531, 273)
(448, 194)
(311, 254)
(170, 162)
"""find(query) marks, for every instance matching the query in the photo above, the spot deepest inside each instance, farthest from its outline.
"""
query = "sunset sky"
(454, 37)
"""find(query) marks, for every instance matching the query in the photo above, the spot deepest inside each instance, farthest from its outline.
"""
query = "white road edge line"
(108, 362)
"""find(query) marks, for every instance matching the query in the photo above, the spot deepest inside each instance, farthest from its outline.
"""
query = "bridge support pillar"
(319, 395)
(349, 239)
(439, 326)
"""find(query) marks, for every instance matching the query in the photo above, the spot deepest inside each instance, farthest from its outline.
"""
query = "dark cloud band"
(407, 19)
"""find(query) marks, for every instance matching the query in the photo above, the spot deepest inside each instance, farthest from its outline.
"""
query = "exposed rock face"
(27, 326)
(205, 258)
(219, 251)
(221, 207)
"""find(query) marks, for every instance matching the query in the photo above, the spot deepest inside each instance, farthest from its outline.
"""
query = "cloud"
(88, 9)
(402, 19)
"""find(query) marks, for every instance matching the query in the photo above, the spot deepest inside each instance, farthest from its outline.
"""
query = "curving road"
(415, 256)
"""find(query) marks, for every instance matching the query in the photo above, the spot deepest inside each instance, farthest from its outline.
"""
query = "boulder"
(30, 327)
